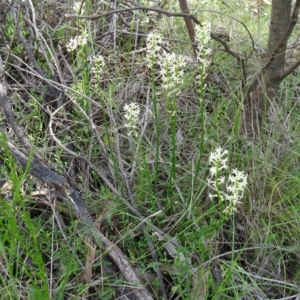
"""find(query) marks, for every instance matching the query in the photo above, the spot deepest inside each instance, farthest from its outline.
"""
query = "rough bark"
(261, 94)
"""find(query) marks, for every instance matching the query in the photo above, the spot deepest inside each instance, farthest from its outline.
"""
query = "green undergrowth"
(157, 156)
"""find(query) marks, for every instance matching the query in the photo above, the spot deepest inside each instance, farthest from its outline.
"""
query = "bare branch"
(169, 14)
(68, 193)
(290, 69)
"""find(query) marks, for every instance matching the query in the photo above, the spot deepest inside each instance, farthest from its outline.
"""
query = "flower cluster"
(237, 182)
(153, 42)
(218, 161)
(79, 40)
(171, 65)
(132, 112)
(234, 185)
(97, 65)
(171, 72)
(202, 37)
(79, 7)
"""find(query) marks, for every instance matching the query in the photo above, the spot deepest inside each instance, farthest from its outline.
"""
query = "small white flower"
(77, 6)
(131, 115)
(221, 180)
(172, 71)
(213, 170)
(171, 65)
(202, 37)
(203, 33)
(217, 155)
(218, 160)
(97, 64)
(153, 42)
(79, 40)
(235, 184)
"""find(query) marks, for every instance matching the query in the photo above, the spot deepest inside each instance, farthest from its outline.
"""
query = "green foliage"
(9, 28)
(9, 32)
(155, 147)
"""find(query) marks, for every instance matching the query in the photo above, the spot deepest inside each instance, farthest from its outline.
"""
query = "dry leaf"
(90, 259)
(169, 246)
(200, 278)
(42, 192)
(7, 187)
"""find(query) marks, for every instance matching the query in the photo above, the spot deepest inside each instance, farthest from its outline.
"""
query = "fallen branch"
(66, 192)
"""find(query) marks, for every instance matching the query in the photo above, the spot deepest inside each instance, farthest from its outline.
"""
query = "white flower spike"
(231, 189)
(131, 115)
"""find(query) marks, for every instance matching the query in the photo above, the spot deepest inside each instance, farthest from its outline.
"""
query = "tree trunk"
(262, 92)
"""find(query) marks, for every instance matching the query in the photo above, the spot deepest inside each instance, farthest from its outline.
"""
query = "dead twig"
(170, 14)
(68, 193)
